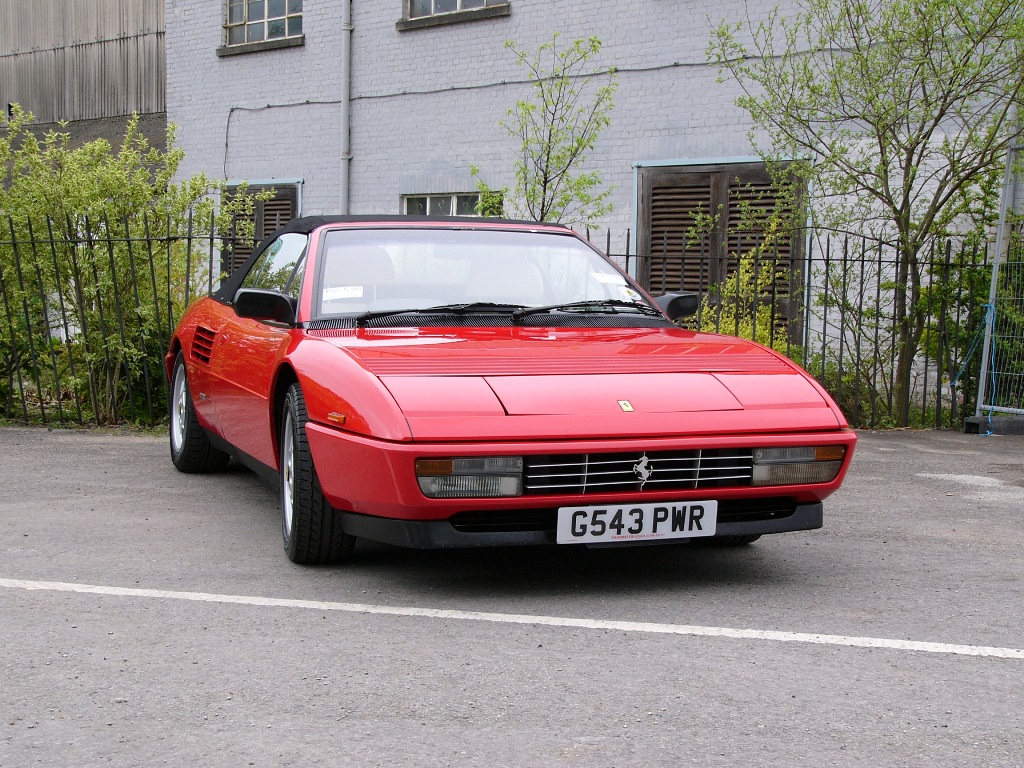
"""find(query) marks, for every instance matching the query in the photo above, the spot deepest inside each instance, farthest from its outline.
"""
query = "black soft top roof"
(306, 224)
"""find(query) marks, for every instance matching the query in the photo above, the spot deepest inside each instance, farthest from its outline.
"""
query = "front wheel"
(191, 450)
(311, 527)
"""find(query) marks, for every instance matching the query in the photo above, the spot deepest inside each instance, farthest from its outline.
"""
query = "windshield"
(388, 270)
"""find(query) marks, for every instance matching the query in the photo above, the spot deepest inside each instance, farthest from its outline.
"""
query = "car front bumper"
(372, 484)
(443, 534)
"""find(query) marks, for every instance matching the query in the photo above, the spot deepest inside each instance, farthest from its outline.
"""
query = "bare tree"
(554, 131)
(899, 115)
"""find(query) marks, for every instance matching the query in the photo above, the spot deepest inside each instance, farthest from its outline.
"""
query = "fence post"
(824, 305)
(209, 274)
(119, 310)
(878, 325)
(108, 384)
(47, 338)
(15, 356)
(83, 319)
(63, 316)
(28, 326)
(142, 331)
(170, 303)
(944, 344)
(165, 341)
(857, 335)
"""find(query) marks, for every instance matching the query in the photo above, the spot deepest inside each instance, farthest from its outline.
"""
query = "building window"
(461, 204)
(420, 8)
(428, 13)
(257, 21)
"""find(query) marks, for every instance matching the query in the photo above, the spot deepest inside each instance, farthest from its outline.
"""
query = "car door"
(248, 351)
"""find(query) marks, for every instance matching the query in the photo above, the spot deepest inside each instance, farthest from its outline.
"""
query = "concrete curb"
(997, 424)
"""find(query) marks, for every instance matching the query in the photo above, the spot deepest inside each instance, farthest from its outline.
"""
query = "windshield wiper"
(596, 306)
(470, 308)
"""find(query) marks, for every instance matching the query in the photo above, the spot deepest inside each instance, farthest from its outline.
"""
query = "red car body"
(392, 396)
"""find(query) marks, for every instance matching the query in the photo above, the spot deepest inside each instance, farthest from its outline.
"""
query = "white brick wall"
(272, 114)
(426, 103)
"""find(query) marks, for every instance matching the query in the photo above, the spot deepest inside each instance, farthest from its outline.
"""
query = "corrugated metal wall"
(82, 59)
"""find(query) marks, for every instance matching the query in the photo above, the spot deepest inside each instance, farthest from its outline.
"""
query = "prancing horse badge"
(626, 406)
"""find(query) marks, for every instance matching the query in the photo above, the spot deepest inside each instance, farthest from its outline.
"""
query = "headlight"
(472, 477)
(799, 465)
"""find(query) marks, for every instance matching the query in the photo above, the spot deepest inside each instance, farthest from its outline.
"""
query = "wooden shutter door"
(752, 194)
(268, 216)
(695, 221)
(678, 203)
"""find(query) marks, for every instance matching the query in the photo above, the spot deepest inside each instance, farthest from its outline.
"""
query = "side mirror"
(268, 306)
(676, 305)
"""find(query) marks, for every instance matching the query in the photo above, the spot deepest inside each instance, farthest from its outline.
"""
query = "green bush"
(97, 259)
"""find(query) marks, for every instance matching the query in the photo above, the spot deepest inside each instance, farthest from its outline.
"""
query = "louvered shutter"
(678, 249)
(754, 193)
(694, 224)
(268, 216)
(678, 260)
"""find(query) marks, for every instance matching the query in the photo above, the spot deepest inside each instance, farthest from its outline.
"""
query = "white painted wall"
(426, 103)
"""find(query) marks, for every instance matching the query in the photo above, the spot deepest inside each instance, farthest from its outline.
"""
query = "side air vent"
(202, 344)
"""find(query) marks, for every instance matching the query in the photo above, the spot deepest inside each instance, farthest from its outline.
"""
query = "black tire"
(191, 450)
(309, 524)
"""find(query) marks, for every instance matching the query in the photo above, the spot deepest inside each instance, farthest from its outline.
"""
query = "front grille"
(582, 473)
(523, 520)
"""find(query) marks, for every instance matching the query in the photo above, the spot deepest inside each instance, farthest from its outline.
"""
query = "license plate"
(636, 522)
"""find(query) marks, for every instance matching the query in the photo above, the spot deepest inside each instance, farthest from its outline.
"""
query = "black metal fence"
(893, 340)
(86, 314)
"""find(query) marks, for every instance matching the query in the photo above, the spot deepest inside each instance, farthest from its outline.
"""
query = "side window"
(280, 266)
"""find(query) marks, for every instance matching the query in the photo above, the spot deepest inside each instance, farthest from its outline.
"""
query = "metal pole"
(346, 106)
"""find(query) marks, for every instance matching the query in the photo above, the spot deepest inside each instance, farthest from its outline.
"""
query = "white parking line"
(510, 618)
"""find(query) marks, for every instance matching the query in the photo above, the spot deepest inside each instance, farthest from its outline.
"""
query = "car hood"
(565, 383)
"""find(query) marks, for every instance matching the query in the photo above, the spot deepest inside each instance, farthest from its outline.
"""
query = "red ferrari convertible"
(478, 382)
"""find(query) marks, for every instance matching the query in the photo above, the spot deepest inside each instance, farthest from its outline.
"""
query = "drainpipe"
(346, 94)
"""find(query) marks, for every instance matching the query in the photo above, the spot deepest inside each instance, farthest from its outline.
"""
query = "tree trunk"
(910, 318)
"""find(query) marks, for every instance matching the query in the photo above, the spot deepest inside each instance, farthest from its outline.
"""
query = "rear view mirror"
(676, 305)
(267, 306)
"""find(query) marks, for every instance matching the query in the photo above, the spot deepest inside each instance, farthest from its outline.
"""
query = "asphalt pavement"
(151, 618)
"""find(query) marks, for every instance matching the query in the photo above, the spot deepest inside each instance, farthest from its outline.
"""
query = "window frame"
(289, 241)
(453, 197)
(490, 10)
(267, 43)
